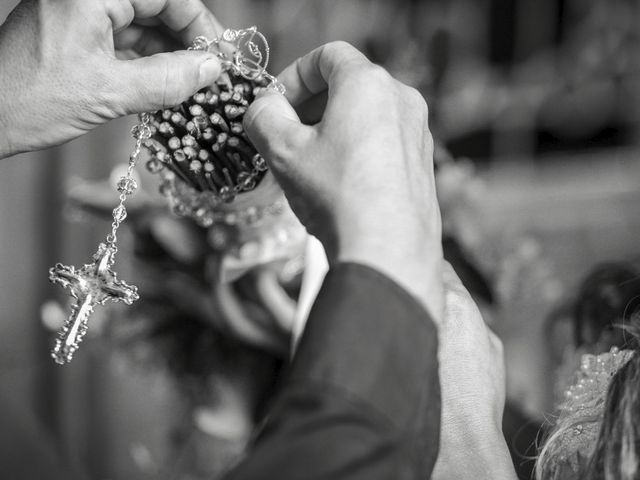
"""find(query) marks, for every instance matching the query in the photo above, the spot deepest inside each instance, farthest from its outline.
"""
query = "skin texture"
(358, 173)
(58, 62)
(472, 384)
(349, 145)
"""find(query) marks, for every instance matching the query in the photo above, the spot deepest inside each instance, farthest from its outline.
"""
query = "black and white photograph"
(320, 240)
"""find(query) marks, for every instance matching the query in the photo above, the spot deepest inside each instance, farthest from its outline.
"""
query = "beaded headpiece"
(582, 409)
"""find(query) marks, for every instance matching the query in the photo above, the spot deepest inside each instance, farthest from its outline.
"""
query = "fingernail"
(209, 71)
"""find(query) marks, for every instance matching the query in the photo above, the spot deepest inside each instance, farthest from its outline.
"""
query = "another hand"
(472, 383)
(361, 176)
(59, 75)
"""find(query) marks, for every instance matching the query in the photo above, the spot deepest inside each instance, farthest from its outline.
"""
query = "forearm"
(475, 454)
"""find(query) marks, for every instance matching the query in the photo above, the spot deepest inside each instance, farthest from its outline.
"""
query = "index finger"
(187, 18)
(317, 70)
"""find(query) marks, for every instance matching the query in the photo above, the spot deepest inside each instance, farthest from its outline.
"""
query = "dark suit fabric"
(361, 400)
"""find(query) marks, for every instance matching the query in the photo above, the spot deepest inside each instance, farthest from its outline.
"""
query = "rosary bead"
(179, 209)
(203, 217)
(227, 194)
(259, 163)
(127, 185)
(119, 213)
(200, 43)
(246, 181)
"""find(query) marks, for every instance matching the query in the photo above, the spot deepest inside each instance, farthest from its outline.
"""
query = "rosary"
(205, 160)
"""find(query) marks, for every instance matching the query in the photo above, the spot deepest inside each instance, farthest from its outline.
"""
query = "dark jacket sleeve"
(362, 397)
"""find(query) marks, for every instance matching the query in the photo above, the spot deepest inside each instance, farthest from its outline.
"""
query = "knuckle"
(415, 98)
(370, 79)
(175, 83)
(379, 73)
(378, 76)
(121, 13)
(339, 47)
(342, 53)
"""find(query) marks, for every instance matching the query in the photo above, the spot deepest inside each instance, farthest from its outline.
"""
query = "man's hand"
(472, 383)
(359, 173)
(59, 75)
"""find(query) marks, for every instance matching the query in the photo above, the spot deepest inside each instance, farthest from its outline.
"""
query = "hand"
(360, 177)
(60, 76)
(472, 384)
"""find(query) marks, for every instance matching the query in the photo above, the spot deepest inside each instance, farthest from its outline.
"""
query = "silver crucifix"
(93, 284)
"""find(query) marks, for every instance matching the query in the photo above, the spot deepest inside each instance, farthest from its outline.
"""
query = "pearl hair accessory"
(580, 413)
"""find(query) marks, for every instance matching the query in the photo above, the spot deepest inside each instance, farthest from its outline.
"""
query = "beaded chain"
(96, 283)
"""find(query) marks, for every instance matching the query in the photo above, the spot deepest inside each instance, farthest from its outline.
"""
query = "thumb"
(165, 79)
(275, 128)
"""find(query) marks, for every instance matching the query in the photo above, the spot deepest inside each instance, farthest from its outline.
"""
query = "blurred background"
(535, 109)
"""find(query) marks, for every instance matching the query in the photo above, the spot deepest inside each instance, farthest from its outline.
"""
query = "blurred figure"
(596, 434)
(590, 322)
(605, 299)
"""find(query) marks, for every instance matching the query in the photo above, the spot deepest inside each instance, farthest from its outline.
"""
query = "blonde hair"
(601, 442)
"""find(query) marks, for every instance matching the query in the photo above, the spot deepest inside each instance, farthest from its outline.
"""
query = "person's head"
(596, 435)
(605, 299)
(617, 451)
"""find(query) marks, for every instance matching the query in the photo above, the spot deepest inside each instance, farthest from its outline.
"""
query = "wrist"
(472, 454)
(7, 135)
(414, 265)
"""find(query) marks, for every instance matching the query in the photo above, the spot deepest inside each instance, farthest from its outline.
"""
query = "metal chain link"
(127, 184)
